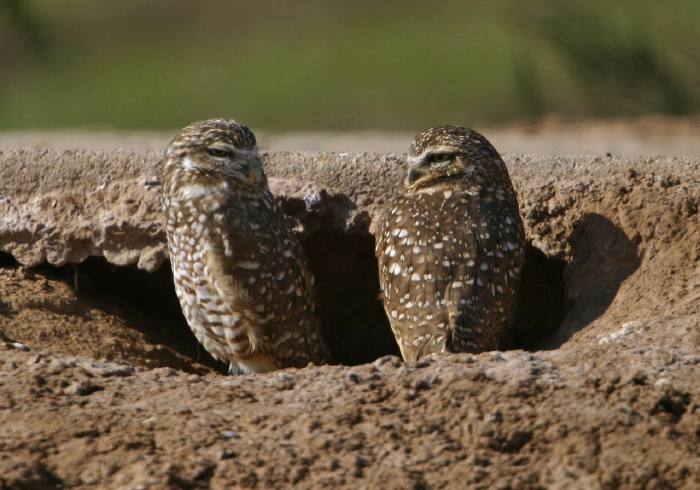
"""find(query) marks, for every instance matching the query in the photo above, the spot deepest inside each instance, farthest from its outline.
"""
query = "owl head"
(453, 156)
(216, 148)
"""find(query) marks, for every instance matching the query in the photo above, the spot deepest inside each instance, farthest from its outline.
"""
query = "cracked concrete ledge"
(62, 206)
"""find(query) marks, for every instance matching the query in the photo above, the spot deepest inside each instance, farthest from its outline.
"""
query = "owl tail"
(244, 344)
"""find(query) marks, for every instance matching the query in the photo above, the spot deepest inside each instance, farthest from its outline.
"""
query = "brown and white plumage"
(240, 274)
(451, 246)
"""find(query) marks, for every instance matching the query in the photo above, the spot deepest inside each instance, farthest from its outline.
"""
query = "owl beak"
(416, 170)
(253, 170)
(252, 173)
(414, 174)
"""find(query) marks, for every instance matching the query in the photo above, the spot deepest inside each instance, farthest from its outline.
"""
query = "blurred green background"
(342, 64)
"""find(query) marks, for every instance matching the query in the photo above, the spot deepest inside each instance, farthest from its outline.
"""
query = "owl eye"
(440, 157)
(218, 152)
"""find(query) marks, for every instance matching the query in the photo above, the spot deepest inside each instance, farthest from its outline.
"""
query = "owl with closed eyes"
(240, 273)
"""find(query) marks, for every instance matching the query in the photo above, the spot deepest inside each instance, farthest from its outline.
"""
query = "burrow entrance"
(357, 330)
(7, 260)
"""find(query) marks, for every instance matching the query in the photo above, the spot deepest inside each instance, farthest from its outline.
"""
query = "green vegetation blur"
(342, 64)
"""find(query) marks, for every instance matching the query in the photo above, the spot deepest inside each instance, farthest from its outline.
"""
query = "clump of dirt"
(599, 391)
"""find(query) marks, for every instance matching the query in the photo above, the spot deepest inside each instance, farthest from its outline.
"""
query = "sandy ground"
(103, 386)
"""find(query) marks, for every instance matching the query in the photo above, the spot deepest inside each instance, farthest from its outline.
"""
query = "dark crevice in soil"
(7, 260)
(152, 295)
(541, 301)
(146, 302)
(356, 327)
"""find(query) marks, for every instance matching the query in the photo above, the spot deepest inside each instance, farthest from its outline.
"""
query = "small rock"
(286, 381)
(107, 369)
(82, 387)
(17, 346)
(387, 359)
(497, 357)
(227, 454)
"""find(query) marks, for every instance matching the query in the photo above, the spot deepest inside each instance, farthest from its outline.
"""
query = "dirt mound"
(599, 391)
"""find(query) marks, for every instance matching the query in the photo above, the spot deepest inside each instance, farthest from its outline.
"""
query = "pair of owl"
(450, 249)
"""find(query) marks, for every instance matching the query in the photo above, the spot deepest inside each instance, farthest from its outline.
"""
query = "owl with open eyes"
(451, 247)
(240, 274)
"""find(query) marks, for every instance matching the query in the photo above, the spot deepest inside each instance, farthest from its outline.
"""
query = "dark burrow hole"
(356, 327)
(541, 301)
(7, 260)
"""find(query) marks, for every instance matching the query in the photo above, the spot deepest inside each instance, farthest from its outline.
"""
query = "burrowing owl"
(451, 246)
(242, 278)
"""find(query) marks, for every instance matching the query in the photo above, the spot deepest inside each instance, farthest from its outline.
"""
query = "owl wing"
(479, 296)
(232, 303)
(411, 260)
(263, 264)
